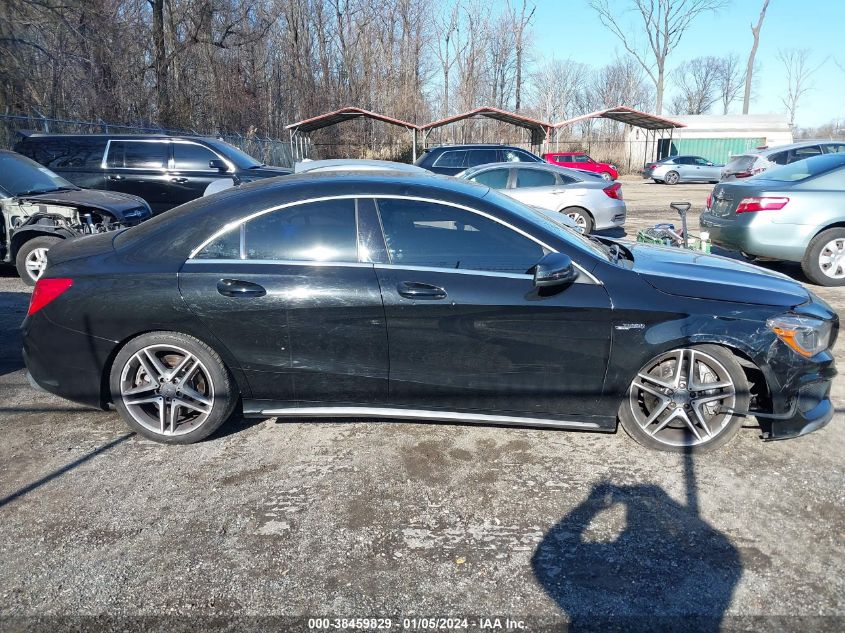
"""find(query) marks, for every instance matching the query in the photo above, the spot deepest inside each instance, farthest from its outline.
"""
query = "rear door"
(291, 299)
(139, 167)
(536, 187)
(468, 330)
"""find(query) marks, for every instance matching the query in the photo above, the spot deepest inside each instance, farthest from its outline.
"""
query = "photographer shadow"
(630, 558)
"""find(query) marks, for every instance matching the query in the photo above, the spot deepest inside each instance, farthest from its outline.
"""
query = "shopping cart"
(665, 234)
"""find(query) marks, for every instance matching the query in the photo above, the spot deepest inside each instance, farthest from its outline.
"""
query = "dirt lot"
(398, 520)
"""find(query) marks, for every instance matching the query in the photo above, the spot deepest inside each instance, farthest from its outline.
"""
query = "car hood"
(687, 273)
(118, 204)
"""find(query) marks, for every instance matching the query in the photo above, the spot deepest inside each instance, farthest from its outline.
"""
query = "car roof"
(350, 164)
(774, 149)
(475, 146)
(566, 153)
(128, 137)
(539, 166)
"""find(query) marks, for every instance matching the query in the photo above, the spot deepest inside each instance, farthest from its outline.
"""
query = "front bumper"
(810, 410)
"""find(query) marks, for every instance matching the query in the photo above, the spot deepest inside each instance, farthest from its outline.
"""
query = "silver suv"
(757, 161)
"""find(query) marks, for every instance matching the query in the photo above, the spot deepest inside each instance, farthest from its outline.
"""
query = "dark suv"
(453, 159)
(164, 170)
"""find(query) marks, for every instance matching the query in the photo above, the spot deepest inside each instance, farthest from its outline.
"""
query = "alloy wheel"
(167, 390)
(672, 178)
(683, 398)
(606, 176)
(580, 221)
(36, 262)
(832, 258)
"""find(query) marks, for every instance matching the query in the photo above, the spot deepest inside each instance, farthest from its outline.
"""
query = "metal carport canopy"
(328, 119)
(539, 129)
(627, 115)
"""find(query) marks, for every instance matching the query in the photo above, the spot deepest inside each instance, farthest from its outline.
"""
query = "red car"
(579, 160)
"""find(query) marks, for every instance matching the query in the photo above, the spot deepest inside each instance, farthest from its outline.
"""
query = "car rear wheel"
(606, 176)
(671, 178)
(31, 260)
(172, 388)
(684, 400)
(824, 260)
(581, 218)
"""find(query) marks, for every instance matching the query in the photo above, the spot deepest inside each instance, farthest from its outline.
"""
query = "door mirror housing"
(709, 164)
(218, 164)
(555, 269)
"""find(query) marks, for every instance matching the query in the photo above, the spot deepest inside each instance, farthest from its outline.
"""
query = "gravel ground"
(362, 519)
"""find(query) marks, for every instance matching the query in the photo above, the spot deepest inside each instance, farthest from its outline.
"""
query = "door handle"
(419, 290)
(238, 288)
(115, 177)
(180, 180)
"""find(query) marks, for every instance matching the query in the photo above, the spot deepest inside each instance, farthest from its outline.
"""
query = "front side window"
(534, 178)
(420, 233)
(564, 159)
(494, 178)
(518, 156)
(582, 158)
(838, 148)
(701, 162)
(454, 158)
(137, 155)
(192, 157)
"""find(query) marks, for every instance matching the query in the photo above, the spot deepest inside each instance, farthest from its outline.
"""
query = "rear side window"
(422, 233)
(564, 159)
(453, 158)
(805, 152)
(192, 157)
(481, 157)
(316, 231)
(65, 152)
(779, 158)
(138, 154)
(534, 178)
(494, 178)
(838, 148)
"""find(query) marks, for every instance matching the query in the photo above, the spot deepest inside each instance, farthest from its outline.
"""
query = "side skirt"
(255, 409)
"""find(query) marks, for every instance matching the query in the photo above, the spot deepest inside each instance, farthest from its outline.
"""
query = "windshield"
(804, 169)
(241, 159)
(20, 176)
(550, 223)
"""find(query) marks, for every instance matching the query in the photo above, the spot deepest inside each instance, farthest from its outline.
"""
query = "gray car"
(793, 213)
(589, 200)
(757, 161)
(674, 169)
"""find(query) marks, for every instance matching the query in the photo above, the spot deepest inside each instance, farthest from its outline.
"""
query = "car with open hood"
(424, 298)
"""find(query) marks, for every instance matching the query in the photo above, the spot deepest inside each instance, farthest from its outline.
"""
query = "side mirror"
(218, 164)
(555, 269)
(709, 164)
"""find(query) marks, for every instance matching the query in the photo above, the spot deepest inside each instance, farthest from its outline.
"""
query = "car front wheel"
(31, 259)
(685, 400)
(824, 260)
(172, 388)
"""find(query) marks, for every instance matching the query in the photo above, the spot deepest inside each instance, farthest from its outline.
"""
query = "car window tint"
(316, 231)
(190, 156)
(429, 234)
(534, 178)
(481, 157)
(137, 154)
(226, 246)
(66, 153)
(494, 178)
(581, 158)
(835, 149)
(701, 162)
(453, 158)
(779, 158)
(518, 156)
(805, 152)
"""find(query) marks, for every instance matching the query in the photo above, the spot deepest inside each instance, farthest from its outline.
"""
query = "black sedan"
(421, 298)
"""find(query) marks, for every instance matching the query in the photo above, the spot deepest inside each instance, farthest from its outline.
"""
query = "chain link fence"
(268, 150)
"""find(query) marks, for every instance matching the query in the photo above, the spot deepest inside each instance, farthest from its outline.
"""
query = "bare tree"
(520, 23)
(799, 72)
(697, 81)
(555, 88)
(664, 23)
(728, 80)
(749, 68)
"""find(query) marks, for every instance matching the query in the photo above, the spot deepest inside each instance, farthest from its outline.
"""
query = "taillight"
(743, 174)
(748, 205)
(651, 167)
(45, 291)
(614, 191)
(709, 201)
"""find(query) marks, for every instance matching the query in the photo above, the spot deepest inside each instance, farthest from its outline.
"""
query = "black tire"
(672, 178)
(811, 265)
(218, 384)
(581, 217)
(729, 425)
(28, 249)
(657, 182)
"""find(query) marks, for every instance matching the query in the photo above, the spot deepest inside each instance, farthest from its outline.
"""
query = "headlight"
(805, 335)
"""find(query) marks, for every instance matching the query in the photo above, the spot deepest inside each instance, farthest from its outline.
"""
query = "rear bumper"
(757, 235)
(610, 215)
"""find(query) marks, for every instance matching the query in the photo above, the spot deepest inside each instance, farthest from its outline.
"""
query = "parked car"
(494, 313)
(351, 164)
(579, 160)
(166, 171)
(674, 169)
(39, 209)
(591, 202)
(453, 159)
(795, 213)
(757, 161)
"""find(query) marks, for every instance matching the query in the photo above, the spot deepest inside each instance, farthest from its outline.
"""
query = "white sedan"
(591, 202)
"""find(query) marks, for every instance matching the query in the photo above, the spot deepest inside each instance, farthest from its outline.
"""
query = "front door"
(467, 328)
(191, 172)
(310, 324)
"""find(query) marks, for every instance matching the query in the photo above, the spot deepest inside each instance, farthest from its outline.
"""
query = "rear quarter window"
(65, 153)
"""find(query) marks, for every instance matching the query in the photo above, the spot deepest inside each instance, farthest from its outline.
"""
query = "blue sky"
(570, 28)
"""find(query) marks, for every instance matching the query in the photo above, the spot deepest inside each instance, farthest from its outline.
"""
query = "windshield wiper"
(38, 192)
